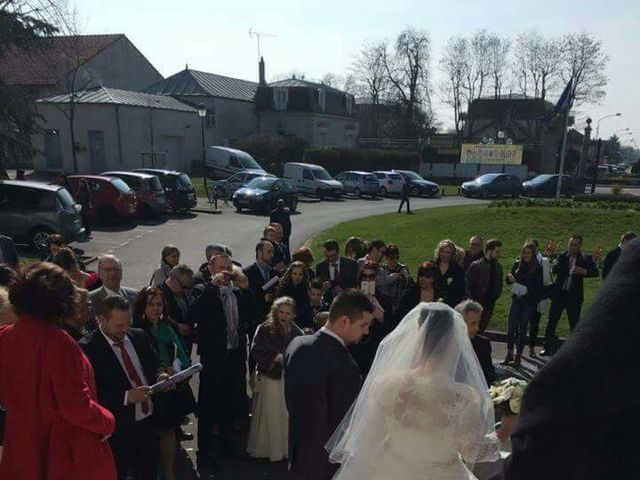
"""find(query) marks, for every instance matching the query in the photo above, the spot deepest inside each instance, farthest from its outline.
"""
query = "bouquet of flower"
(507, 395)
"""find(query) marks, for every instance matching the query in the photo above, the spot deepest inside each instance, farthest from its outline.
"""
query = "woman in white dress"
(269, 431)
(424, 412)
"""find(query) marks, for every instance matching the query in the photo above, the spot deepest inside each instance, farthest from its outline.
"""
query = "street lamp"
(202, 112)
(602, 118)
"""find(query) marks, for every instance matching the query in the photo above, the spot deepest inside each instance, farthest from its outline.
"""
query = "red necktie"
(132, 373)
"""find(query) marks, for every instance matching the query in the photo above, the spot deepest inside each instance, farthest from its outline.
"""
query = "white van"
(224, 162)
(312, 180)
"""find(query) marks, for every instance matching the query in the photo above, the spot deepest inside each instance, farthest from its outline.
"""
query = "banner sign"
(491, 154)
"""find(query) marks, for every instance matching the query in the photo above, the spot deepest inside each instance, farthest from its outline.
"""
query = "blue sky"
(320, 37)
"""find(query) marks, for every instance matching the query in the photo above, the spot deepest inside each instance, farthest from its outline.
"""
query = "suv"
(390, 182)
(181, 195)
(151, 196)
(111, 198)
(31, 211)
(359, 183)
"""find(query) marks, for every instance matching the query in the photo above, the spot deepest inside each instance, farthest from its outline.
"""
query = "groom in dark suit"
(322, 380)
(336, 272)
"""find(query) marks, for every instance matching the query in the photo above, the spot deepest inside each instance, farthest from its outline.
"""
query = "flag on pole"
(565, 102)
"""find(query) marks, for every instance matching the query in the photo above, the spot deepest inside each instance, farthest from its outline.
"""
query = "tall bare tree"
(537, 62)
(369, 72)
(455, 62)
(408, 71)
(585, 62)
(498, 54)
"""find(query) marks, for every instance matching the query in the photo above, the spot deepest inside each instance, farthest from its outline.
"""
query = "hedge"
(336, 160)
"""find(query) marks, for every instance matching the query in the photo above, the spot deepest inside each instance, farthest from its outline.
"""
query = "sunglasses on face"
(368, 276)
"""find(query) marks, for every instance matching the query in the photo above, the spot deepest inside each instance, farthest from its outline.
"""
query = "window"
(210, 119)
(322, 99)
(307, 175)
(280, 98)
(52, 150)
(348, 103)
(234, 161)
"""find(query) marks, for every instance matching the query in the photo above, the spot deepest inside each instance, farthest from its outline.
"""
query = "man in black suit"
(8, 252)
(472, 314)
(336, 272)
(223, 315)
(475, 252)
(613, 256)
(283, 218)
(125, 364)
(579, 417)
(175, 290)
(322, 380)
(259, 273)
(571, 268)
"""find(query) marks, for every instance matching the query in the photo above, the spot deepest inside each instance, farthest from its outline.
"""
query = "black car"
(418, 186)
(181, 195)
(492, 185)
(546, 185)
(262, 194)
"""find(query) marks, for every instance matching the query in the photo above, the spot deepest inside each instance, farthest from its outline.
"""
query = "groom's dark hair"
(352, 303)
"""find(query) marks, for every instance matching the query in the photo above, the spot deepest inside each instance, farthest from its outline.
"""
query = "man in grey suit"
(110, 272)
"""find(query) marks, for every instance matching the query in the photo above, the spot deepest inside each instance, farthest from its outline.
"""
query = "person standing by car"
(283, 218)
(404, 197)
(82, 195)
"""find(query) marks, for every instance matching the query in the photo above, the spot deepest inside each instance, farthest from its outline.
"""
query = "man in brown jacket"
(484, 281)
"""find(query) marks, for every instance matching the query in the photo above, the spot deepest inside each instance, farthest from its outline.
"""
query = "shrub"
(608, 202)
(616, 190)
(273, 151)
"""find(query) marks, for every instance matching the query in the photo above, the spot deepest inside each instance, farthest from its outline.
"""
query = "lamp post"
(602, 118)
(202, 112)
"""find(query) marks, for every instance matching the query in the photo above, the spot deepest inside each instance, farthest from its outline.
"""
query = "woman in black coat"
(425, 289)
(295, 284)
(450, 274)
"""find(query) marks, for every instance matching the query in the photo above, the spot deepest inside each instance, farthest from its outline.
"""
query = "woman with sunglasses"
(364, 351)
(425, 290)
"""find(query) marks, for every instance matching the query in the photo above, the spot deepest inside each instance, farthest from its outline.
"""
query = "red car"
(111, 198)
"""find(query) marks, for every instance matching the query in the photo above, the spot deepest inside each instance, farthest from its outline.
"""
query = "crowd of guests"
(100, 345)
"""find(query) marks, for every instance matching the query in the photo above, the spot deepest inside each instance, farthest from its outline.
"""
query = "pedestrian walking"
(404, 197)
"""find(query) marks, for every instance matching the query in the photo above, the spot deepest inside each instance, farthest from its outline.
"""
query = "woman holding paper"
(526, 291)
(150, 313)
(268, 436)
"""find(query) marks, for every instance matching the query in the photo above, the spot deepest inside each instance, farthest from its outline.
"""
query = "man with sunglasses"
(176, 293)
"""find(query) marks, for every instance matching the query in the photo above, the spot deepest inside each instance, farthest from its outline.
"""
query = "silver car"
(30, 211)
(390, 182)
(359, 183)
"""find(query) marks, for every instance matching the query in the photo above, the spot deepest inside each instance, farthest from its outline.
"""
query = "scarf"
(164, 334)
(230, 307)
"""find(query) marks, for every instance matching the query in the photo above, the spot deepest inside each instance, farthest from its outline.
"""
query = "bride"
(424, 412)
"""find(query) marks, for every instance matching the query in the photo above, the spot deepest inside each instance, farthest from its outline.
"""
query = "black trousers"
(534, 328)
(560, 303)
(222, 398)
(402, 202)
(135, 450)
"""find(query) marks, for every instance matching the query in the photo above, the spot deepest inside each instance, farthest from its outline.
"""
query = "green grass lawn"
(417, 236)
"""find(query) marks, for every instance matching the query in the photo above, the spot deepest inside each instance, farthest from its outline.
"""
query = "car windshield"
(261, 183)
(248, 162)
(155, 185)
(65, 198)
(321, 174)
(370, 179)
(120, 185)
(412, 175)
(541, 178)
(396, 176)
(488, 178)
(184, 182)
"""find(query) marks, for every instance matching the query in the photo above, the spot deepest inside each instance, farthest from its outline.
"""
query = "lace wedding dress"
(429, 419)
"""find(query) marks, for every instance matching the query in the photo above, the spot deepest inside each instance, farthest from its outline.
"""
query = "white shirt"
(334, 271)
(140, 415)
(326, 331)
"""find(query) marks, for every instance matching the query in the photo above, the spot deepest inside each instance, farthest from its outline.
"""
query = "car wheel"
(39, 238)
(415, 192)
(484, 193)
(238, 207)
(320, 194)
(357, 192)
(383, 192)
(294, 204)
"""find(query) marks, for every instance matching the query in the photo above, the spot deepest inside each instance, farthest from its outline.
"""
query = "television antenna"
(257, 35)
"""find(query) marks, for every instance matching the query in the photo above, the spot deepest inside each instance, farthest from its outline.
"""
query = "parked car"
(226, 188)
(359, 183)
(418, 186)
(492, 185)
(545, 185)
(111, 198)
(31, 211)
(312, 180)
(262, 193)
(390, 182)
(151, 196)
(223, 162)
(180, 192)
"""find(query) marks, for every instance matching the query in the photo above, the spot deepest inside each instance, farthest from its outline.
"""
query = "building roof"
(296, 82)
(193, 82)
(57, 57)
(113, 96)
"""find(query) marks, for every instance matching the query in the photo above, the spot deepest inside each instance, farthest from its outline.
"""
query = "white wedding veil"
(431, 340)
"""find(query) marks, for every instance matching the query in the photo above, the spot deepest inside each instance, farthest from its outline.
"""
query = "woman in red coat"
(55, 428)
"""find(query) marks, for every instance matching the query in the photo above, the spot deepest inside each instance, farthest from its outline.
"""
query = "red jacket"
(54, 426)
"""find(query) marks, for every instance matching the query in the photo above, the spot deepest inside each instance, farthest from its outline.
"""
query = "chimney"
(261, 80)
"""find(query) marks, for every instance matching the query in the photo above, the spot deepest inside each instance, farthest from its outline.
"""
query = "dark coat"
(282, 217)
(532, 279)
(451, 284)
(478, 281)
(561, 269)
(8, 252)
(176, 314)
(410, 299)
(321, 382)
(306, 315)
(469, 259)
(610, 260)
(348, 277)
(111, 379)
(256, 281)
(267, 346)
(482, 347)
(579, 416)
(299, 293)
